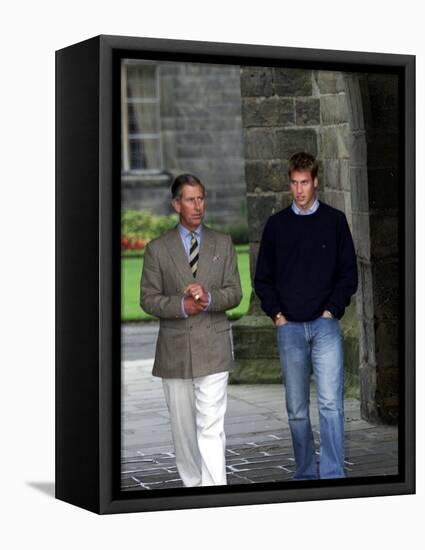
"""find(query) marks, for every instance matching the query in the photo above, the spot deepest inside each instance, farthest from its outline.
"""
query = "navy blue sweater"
(306, 264)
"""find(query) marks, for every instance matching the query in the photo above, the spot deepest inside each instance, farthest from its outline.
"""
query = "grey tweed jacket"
(200, 344)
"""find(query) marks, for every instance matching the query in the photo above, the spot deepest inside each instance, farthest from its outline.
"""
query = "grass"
(131, 269)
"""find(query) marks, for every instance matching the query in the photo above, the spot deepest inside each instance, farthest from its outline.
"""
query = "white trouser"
(197, 407)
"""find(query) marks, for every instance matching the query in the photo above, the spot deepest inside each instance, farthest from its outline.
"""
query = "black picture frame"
(87, 271)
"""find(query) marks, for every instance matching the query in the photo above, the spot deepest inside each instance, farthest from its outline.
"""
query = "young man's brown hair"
(301, 162)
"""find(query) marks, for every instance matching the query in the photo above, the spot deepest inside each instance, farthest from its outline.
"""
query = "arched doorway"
(350, 122)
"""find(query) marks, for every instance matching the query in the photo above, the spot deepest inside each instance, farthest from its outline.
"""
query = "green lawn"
(131, 269)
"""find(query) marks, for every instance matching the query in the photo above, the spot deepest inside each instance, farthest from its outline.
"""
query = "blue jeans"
(317, 343)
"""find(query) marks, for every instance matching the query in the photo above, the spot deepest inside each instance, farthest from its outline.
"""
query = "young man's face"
(303, 188)
(191, 206)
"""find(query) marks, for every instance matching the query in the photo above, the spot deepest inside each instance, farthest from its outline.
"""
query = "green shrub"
(138, 227)
(143, 225)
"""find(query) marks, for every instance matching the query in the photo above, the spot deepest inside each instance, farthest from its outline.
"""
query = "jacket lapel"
(177, 253)
(206, 255)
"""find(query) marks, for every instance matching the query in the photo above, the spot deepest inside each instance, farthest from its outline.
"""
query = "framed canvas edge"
(109, 499)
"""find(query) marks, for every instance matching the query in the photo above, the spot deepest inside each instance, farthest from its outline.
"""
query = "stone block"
(256, 82)
(335, 199)
(167, 94)
(348, 209)
(349, 328)
(330, 82)
(334, 174)
(361, 232)
(344, 174)
(359, 189)
(290, 141)
(260, 208)
(367, 379)
(250, 367)
(292, 82)
(335, 142)
(191, 110)
(333, 109)
(307, 111)
(256, 353)
(253, 255)
(194, 138)
(354, 101)
(331, 174)
(351, 367)
(267, 112)
(285, 115)
(218, 123)
(286, 199)
(226, 145)
(266, 176)
(259, 144)
(358, 148)
(223, 110)
(367, 342)
(365, 293)
(189, 151)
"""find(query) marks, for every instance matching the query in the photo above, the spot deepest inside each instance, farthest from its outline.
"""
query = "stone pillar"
(379, 382)
(280, 115)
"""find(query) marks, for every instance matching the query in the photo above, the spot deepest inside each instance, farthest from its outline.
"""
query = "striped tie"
(194, 254)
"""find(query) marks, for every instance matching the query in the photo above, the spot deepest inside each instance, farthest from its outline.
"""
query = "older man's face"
(303, 188)
(191, 206)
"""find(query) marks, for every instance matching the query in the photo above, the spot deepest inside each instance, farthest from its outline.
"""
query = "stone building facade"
(182, 117)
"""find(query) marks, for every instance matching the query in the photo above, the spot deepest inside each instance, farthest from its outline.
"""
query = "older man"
(190, 278)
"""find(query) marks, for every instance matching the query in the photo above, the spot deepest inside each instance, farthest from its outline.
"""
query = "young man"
(306, 274)
(190, 278)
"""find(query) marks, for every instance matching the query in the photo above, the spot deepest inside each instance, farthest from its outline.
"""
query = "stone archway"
(287, 110)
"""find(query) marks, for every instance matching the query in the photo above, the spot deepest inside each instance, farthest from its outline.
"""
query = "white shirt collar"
(305, 212)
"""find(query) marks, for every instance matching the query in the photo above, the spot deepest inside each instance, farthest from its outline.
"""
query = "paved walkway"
(258, 439)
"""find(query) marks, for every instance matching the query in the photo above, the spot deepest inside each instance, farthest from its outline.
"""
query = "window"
(141, 138)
